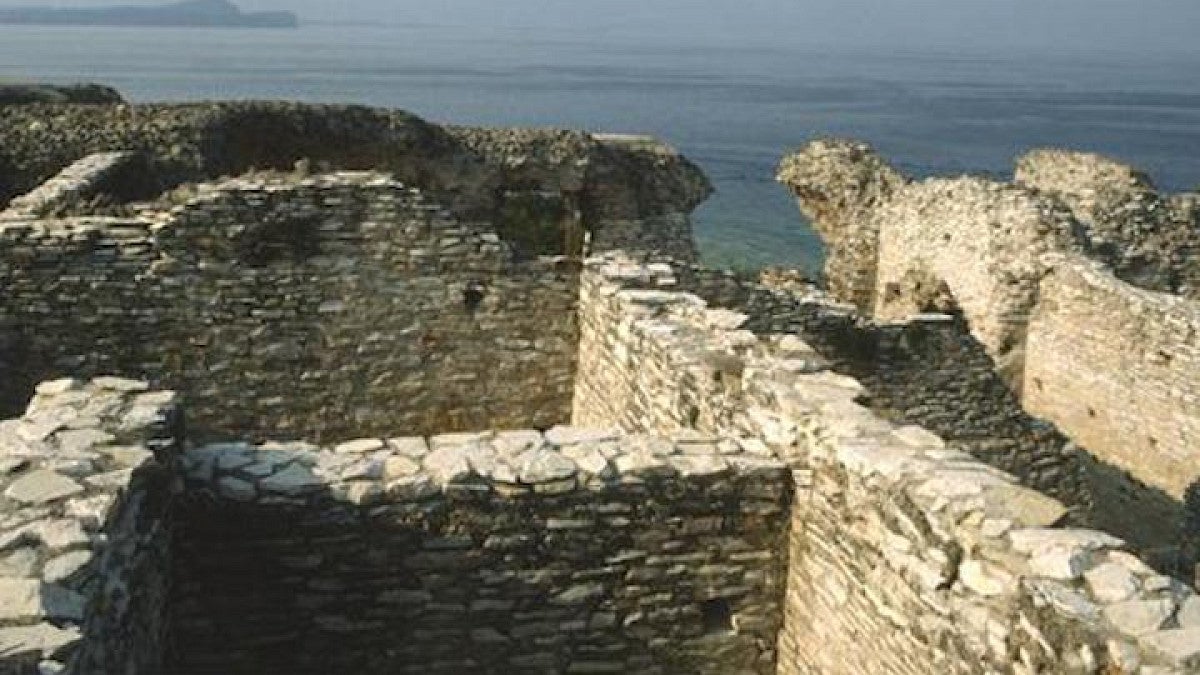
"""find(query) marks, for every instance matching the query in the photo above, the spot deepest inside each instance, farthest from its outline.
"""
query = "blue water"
(732, 105)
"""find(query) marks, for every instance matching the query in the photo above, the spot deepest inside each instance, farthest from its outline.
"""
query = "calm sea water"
(733, 107)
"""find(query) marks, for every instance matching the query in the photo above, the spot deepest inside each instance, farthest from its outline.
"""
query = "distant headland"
(188, 13)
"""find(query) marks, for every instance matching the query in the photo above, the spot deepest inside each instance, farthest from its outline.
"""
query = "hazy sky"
(1054, 25)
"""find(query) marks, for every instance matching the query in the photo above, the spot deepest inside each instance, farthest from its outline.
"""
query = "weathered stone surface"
(42, 639)
(41, 487)
(1139, 617)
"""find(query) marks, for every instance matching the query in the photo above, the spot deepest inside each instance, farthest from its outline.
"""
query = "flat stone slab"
(42, 639)
(42, 487)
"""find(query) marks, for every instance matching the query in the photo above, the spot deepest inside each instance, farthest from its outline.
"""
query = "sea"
(733, 106)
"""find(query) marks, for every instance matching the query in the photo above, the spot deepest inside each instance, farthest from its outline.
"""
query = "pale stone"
(43, 639)
(360, 446)
(699, 466)
(42, 487)
(82, 440)
(1059, 562)
(293, 481)
(589, 460)
(1130, 562)
(986, 579)
(1138, 617)
(92, 511)
(1021, 505)
(1181, 647)
(121, 384)
(545, 466)
(1029, 540)
(563, 435)
(130, 456)
(993, 528)
(52, 668)
(61, 534)
(111, 481)
(1111, 582)
(1189, 612)
(399, 466)
(918, 437)
(449, 464)
(641, 464)
(54, 387)
(65, 566)
(412, 446)
(1066, 600)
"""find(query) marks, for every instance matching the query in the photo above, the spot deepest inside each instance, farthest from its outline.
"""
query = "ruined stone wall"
(837, 186)
(1149, 239)
(543, 189)
(907, 555)
(325, 307)
(1118, 366)
(942, 564)
(983, 241)
(1110, 352)
(85, 477)
(653, 358)
(117, 175)
(577, 551)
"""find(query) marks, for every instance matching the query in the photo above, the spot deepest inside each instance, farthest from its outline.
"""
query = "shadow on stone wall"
(933, 373)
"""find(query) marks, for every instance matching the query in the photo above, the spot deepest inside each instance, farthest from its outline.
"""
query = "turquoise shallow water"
(733, 106)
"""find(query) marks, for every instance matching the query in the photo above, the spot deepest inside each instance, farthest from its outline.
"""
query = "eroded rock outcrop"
(1150, 239)
(838, 186)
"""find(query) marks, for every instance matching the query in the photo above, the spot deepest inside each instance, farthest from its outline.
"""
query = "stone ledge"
(507, 464)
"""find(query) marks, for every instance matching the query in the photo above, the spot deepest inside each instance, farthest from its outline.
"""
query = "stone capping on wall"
(82, 542)
(508, 464)
(76, 182)
(978, 544)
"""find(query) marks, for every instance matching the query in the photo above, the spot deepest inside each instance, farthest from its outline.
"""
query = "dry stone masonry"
(380, 329)
(937, 561)
(576, 551)
(85, 528)
(1076, 280)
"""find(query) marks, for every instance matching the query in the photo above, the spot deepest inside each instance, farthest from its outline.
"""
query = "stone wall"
(942, 564)
(580, 551)
(120, 176)
(1149, 239)
(837, 186)
(325, 307)
(655, 359)
(906, 555)
(541, 188)
(84, 529)
(1117, 366)
(1113, 362)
